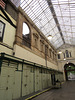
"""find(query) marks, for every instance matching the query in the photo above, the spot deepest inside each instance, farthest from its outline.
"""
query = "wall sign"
(2, 27)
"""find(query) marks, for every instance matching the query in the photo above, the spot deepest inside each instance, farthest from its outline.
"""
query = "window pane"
(25, 29)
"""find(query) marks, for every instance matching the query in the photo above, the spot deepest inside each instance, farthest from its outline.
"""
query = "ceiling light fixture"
(64, 58)
(59, 51)
(49, 37)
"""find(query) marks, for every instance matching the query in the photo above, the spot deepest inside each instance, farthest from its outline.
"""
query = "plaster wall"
(9, 35)
(62, 62)
(27, 55)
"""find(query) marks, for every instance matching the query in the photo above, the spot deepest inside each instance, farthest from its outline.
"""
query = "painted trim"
(41, 92)
(8, 19)
(16, 59)
(38, 94)
(5, 45)
(1, 38)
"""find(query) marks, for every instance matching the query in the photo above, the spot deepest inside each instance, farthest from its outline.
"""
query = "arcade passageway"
(67, 92)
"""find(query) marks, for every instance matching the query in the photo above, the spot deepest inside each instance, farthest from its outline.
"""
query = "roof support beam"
(55, 18)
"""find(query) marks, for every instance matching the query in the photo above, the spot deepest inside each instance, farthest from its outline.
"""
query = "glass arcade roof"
(52, 17)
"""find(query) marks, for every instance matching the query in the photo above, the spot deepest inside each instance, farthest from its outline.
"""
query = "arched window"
(26, 29)
(70, 54)
(26, 35)
(67, 53)
(58, 56)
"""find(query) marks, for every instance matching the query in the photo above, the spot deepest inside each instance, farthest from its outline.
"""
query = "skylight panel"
(56, 30)
(54, 38)
(57, 42)
(62, 1)
(48, 14)
(73, 21)
(58, 13)
(43, 19)
(73, 34)
(68, 28)
(62, 28)
(47, 27)
(55, 1)
(66, 41)
(64, 33)
(53, 22)
(66, 21)
(43, 31)
(28, 1)
(72, 13)
(73, 41)
(64, 7)
(69, 34)
(73, 29)
(69, 38)
(59, 39)
(60, 21)
(58, 35)
(50, 33)
(43, 4)
(23, 4)
(38, 11)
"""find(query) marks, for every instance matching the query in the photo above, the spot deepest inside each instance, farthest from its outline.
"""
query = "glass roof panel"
(40, 13)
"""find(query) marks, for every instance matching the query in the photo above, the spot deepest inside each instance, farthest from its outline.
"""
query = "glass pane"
(25, 29)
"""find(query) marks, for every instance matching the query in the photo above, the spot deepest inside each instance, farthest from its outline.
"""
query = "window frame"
(26, 40)
(27, 26)
(1, 38)
(67, 53)
(42, 46)
(35, 40)
(59, 56)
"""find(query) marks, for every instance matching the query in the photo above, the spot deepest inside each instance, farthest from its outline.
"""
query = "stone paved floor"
(67, 92)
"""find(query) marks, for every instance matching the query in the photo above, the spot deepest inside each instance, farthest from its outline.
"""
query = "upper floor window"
(2, 27)
(67, 53)
(35, 39)
(58, 56)
(50, 53)
(26, 35)
(64, 55)
(70, 54)
(53, 55)
(42, 46)
(26, 29)
(46, 49)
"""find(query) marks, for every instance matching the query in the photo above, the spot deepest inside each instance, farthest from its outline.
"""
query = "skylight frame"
(65, 10)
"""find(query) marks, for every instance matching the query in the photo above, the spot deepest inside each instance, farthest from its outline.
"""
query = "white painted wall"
(62, 62)
(9, 35)
(51, 65)
(5, 50)
(27, 55)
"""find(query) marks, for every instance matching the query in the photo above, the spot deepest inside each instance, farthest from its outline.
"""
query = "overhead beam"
(55, 18)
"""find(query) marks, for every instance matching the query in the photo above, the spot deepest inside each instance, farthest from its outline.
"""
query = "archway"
(69, 70)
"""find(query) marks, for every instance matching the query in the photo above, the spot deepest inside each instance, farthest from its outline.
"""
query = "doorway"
(69, 70)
